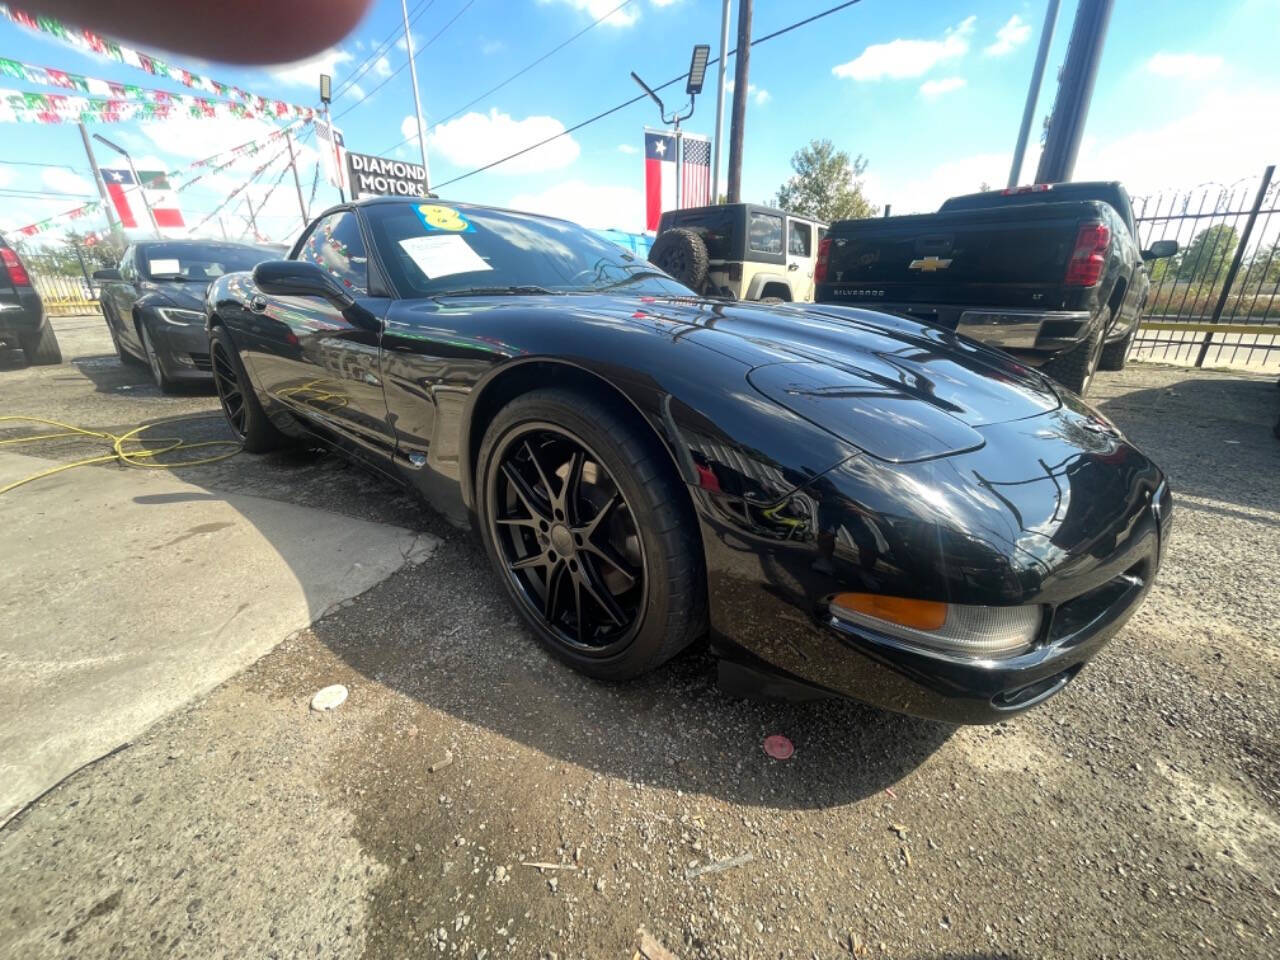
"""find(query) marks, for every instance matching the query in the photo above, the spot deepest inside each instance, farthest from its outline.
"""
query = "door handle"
(793, 266)
(258, 304)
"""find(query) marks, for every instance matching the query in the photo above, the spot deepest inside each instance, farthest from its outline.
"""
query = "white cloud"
(354, 90)
(306, 73)
(1009, 37)
(417, 42)
(627, 148)
(598, 8)
(382, 67)
(1187, 66)
(595, 206)
(758, 94)
(409, 129)
(62, 180)
(663, 3)
(948, 179)
(900, 58)
(936, 88)
(492, 46)
(475, 139)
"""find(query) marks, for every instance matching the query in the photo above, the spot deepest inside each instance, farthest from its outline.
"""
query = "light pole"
(136, 179)
(720, 68)
(1033, 92)
(417, 103)
(697, 74)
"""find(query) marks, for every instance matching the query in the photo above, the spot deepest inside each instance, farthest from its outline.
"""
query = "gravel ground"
(1136, 815)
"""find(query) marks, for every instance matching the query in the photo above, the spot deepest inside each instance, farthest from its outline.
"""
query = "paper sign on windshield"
(441, 255)
(165, 266)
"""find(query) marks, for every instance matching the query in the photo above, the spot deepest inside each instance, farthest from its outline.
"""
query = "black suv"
(22, 319)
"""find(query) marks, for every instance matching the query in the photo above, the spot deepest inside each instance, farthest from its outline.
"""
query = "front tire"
(245, 416)
(41, 346)
(591, 534)
(162, 379)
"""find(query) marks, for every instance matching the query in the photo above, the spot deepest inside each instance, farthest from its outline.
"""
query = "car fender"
(759, 281)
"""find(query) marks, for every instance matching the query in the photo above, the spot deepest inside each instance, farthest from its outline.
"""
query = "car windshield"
(436, 249)
(197, 262)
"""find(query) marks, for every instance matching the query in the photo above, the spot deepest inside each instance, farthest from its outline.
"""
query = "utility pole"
(223, 227)
(1033, 92)
(253, 221)
(1075, 90)
(97, 178)
(326, 88)
(739, 119)
(302, 207)
(417, 103)
(720, 68)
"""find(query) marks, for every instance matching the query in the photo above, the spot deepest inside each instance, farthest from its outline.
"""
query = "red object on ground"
(778, 747)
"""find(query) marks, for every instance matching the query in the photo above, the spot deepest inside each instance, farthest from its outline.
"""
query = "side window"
(335, 244)
(127, 271)
(800, 239)
(822, 235)
(764, 233)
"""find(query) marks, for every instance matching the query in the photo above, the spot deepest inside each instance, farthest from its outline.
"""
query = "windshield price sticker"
(443, 256)
(435, 217)
(164, 266)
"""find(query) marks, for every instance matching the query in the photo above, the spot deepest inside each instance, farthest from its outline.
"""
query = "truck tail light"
(824, 257)
(1084, 269)
(17, 272)
(1028, 188)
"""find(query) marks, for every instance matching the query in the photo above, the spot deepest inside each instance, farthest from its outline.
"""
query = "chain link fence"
(1218, 301)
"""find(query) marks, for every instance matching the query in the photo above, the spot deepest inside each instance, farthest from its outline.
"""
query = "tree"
(826, 185)
(1207, 257)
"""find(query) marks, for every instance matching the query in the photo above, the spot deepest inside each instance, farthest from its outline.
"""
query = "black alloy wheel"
(591, 531)
(227, 380)
(239, 403)
(568, 537)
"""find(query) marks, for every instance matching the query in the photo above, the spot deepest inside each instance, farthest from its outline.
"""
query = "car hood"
(188, 296)
(899, 389)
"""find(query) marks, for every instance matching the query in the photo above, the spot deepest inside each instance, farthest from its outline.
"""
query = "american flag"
(695, 172)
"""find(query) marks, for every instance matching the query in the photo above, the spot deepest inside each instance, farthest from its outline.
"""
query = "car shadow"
(1228, 419)
(109, 374)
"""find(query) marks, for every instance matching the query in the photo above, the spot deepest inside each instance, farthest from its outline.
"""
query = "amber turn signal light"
(916, 614)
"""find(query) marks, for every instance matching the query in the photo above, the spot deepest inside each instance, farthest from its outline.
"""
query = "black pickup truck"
(1051, 273)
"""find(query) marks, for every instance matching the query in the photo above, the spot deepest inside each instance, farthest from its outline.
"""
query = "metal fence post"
(1235, 262)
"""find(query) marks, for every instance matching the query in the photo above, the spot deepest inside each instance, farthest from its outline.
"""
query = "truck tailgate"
(1012, 257)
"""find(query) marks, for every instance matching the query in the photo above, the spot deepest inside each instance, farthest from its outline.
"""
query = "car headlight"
(180, 318)
(960, 629)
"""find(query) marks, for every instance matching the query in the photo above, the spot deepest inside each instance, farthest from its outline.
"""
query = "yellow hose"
(143, 457)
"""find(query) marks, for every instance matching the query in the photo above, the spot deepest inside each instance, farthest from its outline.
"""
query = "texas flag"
(660, 173)
(162, 199)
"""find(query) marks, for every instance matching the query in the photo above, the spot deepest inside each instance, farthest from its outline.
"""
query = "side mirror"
(107, 275)
(1161, 249)
(300, 278)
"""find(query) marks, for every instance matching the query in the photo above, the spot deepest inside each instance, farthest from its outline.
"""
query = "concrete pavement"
(128, 593)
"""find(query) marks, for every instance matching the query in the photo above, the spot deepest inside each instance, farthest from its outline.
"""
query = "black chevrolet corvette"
(848, 503)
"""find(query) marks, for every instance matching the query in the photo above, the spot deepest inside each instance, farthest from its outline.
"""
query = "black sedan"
(154, 303)
(847, 503)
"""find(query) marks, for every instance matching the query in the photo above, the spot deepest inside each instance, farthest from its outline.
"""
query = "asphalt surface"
(1135, 815)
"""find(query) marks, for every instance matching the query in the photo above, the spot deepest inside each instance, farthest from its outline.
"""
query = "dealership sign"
(378, 177)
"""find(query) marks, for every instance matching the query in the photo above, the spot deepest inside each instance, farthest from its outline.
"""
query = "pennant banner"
(17, 107)
(52, 223)
(238, 190)
(89, 42)
(196, 106)
(232, 155)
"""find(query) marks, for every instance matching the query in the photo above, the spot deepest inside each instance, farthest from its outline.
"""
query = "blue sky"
(930, 92)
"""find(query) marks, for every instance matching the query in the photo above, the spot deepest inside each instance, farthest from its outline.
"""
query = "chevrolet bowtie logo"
(929, 264)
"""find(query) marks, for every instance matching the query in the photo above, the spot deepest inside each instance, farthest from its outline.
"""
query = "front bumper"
(1083, 538)
(183, 349)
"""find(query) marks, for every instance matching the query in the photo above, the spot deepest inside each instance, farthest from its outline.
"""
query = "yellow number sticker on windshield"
(436, 217)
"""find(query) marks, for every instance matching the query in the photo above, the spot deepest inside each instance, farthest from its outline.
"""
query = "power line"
(367, 64)
(400, 69)
(34, 163)
(518, 73)
(643, 96)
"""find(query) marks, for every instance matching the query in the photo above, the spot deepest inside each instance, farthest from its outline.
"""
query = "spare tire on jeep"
(683, 254)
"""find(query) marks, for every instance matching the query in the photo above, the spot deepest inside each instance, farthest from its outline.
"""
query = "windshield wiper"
(157, 277)
(522, 289)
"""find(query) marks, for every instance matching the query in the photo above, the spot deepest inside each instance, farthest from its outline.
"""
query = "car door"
(121, 295)
(800, 247)
(308, 356)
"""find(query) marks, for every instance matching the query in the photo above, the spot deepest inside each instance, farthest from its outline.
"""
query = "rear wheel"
(1074, 369)
(239, 403)
(41, 346)
(591, 534)
(1115, 355)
